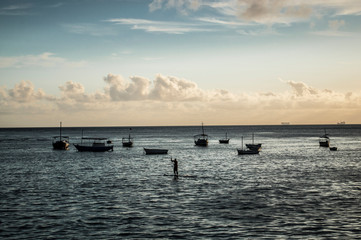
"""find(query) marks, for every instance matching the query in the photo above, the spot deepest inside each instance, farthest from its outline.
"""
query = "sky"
(179, 62)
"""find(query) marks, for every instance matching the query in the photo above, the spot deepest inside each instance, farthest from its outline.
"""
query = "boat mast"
(202, 129)
(242, 143)
(60, 131)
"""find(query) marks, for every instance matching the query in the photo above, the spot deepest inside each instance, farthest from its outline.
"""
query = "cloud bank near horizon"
(172, 100)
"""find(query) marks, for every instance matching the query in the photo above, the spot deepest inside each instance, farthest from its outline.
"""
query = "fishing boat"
(94, 144)
(201, 139)
(60, 142)
(247, 151)
(224, 140)
(127, 141)
(324, 140)
(333, 148)
(149, 151)
(255, 146)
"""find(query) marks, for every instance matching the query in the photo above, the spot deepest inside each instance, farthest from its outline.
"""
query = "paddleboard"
(186, 176)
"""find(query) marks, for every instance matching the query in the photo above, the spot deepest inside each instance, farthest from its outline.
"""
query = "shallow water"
(292, 189)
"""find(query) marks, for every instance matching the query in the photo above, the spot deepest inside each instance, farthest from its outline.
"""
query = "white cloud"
(182, 6)
(336, 24)
(75, 92)
(15, 9)
(175, 89)
(266, 11)
(121, 90)
(90, 29)
(158, 26)
(333, 31)
(272, 11)
(173, 100)
(23, 92)
(45, 60)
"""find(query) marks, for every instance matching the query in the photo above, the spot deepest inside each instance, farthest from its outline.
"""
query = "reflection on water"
(293, 189)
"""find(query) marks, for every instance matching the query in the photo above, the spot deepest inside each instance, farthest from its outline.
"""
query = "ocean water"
(292, 189)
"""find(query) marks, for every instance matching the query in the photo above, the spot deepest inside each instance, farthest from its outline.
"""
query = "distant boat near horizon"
(324, 140)
(127, 142)
(60, 142)
(224, 140)
(248, 151)
(94, 144)
(255, 146)
(341, 123)
(150, 151)
(201, 139)
(285, 123)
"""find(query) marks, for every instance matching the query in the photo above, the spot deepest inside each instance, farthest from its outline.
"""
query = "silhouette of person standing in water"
(175, 166)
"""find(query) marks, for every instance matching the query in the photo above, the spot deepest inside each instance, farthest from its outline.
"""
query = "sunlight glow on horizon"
(163, 62)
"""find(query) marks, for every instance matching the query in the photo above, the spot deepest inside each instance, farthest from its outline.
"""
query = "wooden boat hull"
(127, 144)
(254, 146)
(150, 151)
(247, 152)
(224, 141)
(324, 143)
(201, 142)
(82, 148)
(60, 145)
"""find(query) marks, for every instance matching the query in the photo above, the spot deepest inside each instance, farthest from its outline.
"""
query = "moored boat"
(255, 146)
(127, 142)
(60, 142)
(201, 139)
(224, 140)
(150, 151)
(247, 151)
(94, 144)
(324, 140)
(252, 150)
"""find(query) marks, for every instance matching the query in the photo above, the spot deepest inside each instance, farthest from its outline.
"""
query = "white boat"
(201, 139)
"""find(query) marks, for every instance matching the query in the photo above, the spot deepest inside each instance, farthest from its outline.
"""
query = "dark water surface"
(293, 189)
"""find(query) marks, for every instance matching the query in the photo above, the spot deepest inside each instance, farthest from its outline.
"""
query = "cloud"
(23, 92)
(182, 6)
(75, 92)
(333, 31)
(15, 10)
(265, 11)
(175, 89)
(340, 7)
(45, 60)
(121, 90)
(172, 100)
(301, 89)
(90, 29)
(158, 26)
(272, 11)
(335, 24)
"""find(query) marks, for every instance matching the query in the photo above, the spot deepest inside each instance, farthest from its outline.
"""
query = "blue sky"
(194, 58)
